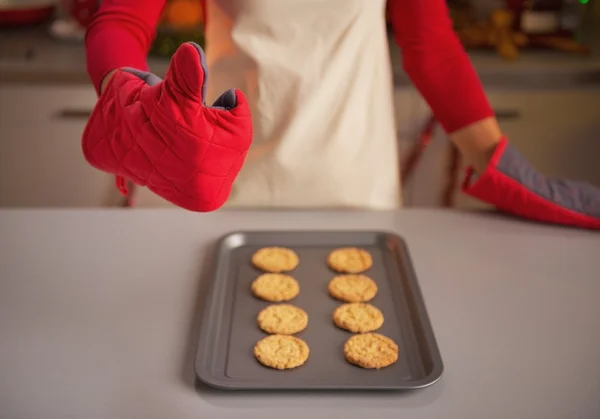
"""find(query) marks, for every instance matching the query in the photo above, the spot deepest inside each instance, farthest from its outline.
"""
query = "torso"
(318, 78)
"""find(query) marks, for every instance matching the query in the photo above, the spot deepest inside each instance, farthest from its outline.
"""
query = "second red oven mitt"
(161, 134)
(514, 186)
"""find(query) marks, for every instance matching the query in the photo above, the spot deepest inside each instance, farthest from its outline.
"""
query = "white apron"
(318, 78)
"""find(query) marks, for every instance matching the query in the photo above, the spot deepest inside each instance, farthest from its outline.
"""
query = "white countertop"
(99, 316)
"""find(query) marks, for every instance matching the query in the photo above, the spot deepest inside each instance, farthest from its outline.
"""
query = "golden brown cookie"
(275, 259)
(371, 350)
(282, 319)
(358, 317)
(352, 288)
(275, 287)
(281, 352)
(350, 260)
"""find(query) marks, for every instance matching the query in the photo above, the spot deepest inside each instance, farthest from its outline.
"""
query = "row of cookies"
(280, 350)
(365, 349)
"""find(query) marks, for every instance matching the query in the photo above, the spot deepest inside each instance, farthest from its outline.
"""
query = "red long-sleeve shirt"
(121, 34)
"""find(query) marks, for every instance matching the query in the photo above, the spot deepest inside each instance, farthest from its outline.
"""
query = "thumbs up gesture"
(162, 135)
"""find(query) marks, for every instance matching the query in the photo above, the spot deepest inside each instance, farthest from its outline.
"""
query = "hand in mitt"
(160, 133)
(514, 186)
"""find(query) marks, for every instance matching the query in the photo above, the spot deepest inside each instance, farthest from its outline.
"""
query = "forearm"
(120, 35)
(440, 69)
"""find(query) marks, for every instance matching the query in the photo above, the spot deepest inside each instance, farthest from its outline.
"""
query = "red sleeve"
(120, 35)
(436, 62)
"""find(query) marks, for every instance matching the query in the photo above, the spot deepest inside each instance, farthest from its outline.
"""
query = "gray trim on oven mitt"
(580, 197)
(225, 102)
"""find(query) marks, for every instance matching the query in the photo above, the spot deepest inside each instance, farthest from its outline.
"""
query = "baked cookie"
(275, 259)
(282, 319)
(350, 260)
(352, 288)
(275, 287)
(371, 350)
(358, 317)
(281, 352)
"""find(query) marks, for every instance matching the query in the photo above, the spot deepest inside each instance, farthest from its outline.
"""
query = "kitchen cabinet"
(557, 130)
(425, 184)
(41, 162)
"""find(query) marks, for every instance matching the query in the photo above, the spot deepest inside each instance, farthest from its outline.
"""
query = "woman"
(316, 104)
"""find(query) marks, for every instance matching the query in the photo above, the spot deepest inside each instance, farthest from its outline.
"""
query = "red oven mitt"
(514, 186)
(160, 134)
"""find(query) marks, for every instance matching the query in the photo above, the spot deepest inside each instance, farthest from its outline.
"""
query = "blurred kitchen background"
(538, 59)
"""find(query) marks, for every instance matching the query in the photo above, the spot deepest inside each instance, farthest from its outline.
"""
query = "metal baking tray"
(229, 330)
